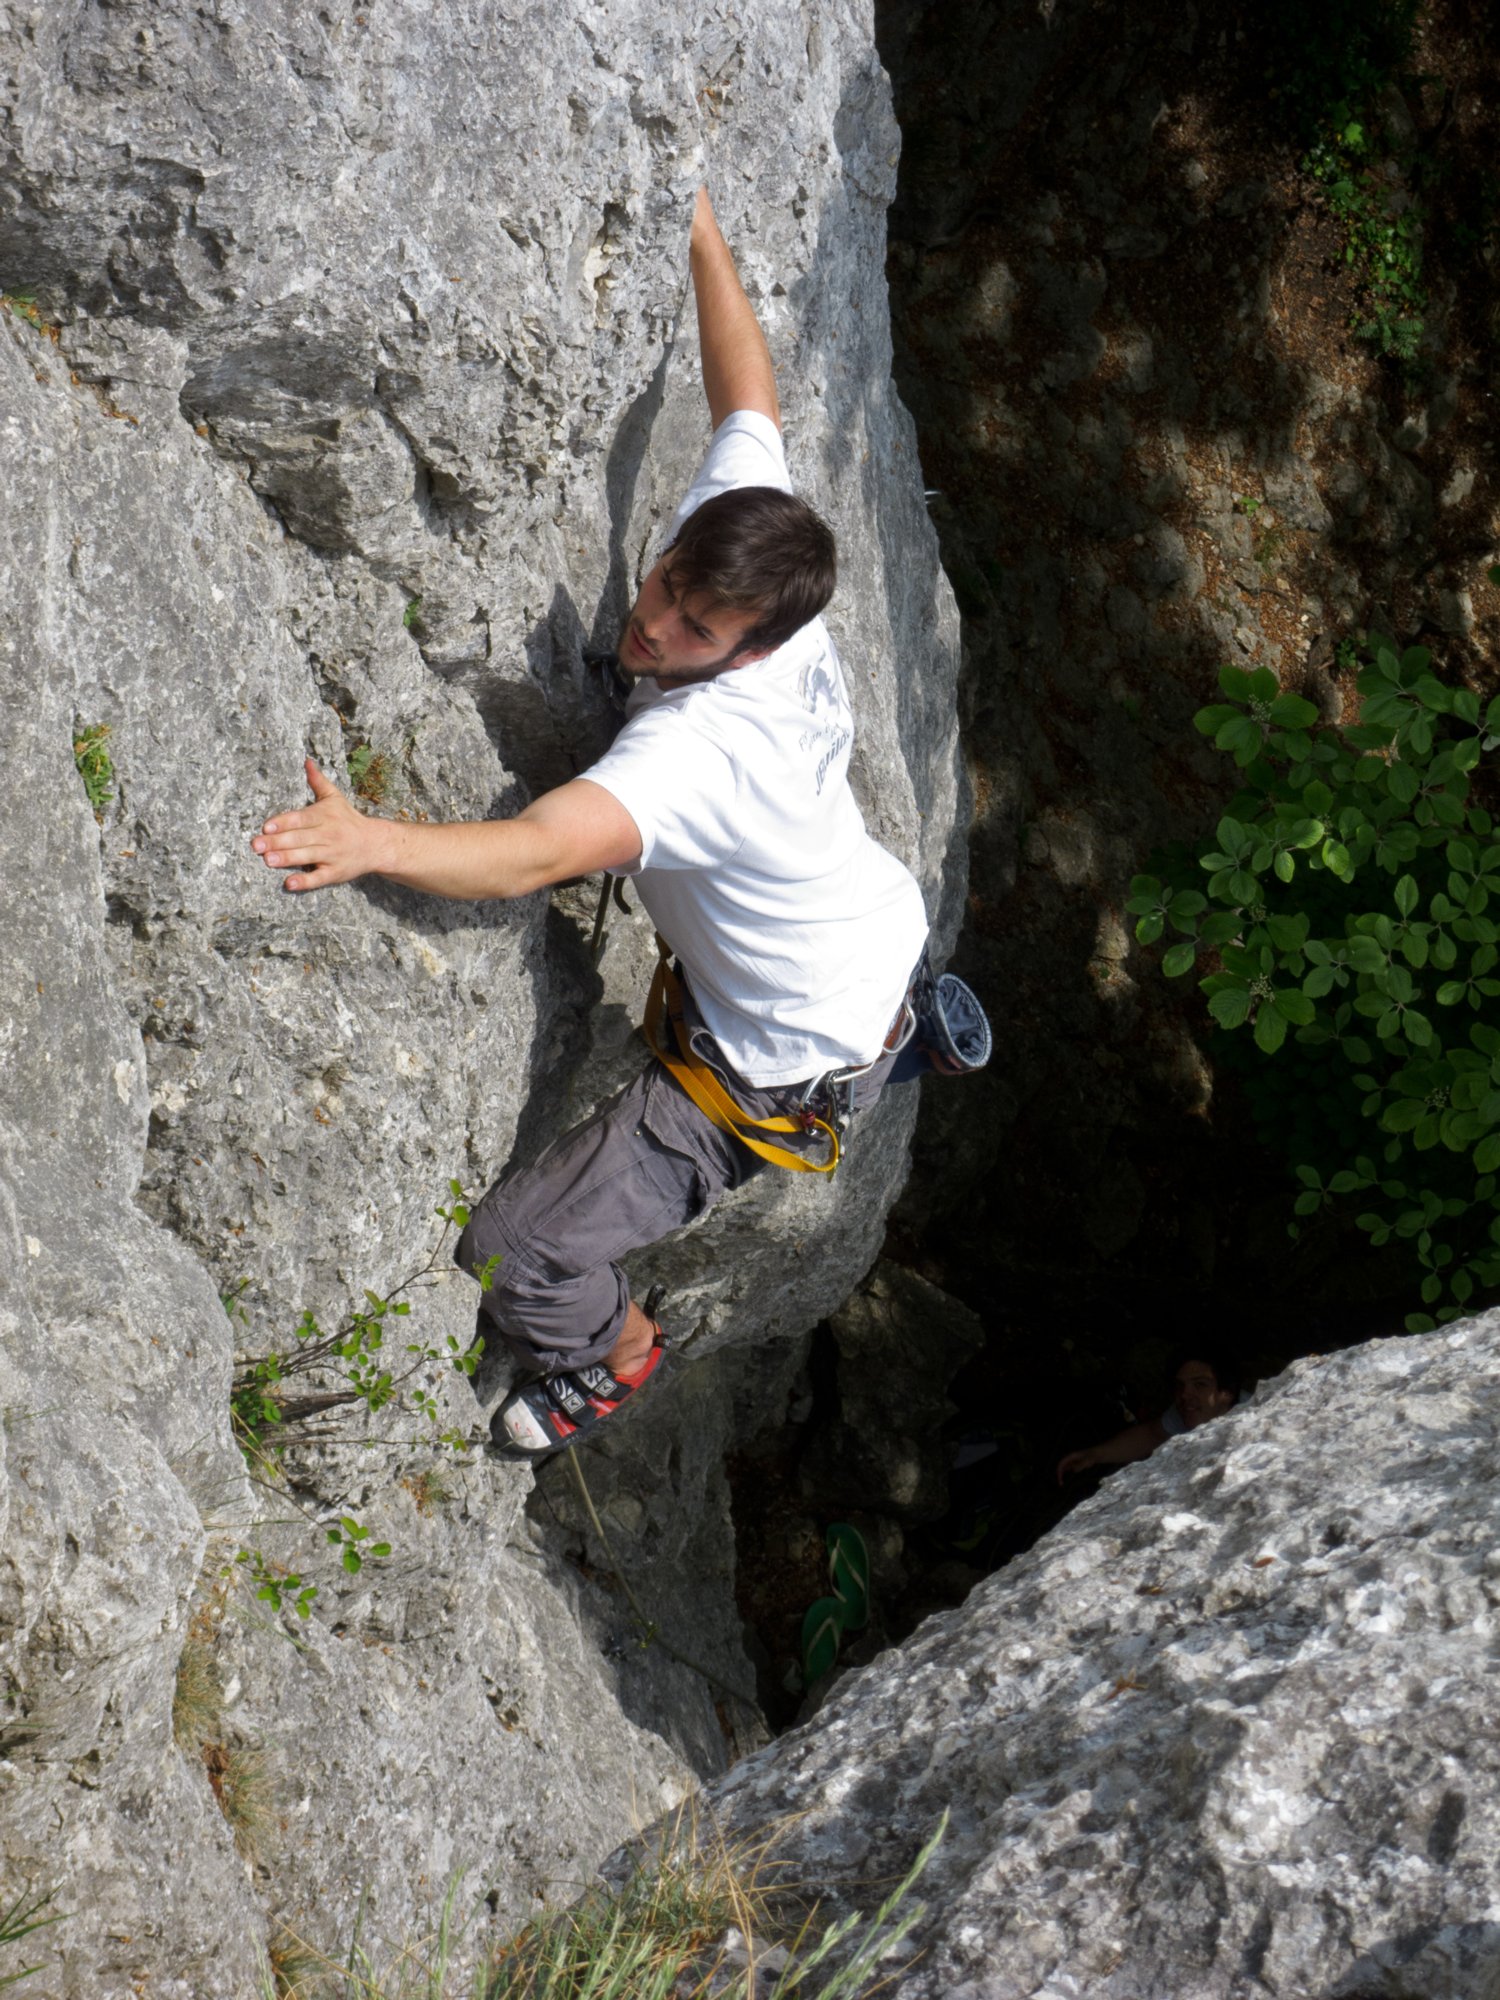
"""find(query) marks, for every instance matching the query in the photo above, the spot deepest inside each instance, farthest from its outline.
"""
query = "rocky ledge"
(1227, 1733)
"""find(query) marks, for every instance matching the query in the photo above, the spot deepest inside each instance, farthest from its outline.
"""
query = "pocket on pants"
(674, 1121)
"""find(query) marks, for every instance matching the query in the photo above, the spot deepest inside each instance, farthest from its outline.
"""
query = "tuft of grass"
(369, 773)
(24, 1916)
(297, 1972)
(691, 1924)
(197, 1696)
(686, 1929)
(93, 764)
(242, 1784)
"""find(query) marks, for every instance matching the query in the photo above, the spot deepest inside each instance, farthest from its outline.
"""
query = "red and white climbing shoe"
(550, 1412)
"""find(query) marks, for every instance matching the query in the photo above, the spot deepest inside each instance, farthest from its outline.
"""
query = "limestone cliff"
(346, 381)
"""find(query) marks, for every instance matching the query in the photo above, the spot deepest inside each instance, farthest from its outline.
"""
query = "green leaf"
(1285, 867)
(1230, 1006)
(1288, 933)
(1290, 711)
(1403, 1115)
(1294, 1007)
(822, 1628)
(1487, 1154)
(1243, 738)
(1180, 959)
(1406, 894)
(849, 1571)
(1336, 859)
(1235, 682)
(1149, 929)
(1365, 955)
(1270, 1030)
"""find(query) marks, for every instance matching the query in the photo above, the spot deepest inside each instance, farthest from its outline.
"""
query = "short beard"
(677, 676)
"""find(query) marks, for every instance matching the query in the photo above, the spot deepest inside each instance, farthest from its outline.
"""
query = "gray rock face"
(1223, 1733)
(343, 387)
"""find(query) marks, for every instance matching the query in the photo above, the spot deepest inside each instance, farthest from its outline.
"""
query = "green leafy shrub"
(1343, 909)
(1383, 225)
(1328, 70)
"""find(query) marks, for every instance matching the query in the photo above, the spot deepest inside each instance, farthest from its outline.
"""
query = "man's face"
(674, 638)
(1199, 1396)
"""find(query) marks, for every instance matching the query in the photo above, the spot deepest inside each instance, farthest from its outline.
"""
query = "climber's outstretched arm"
(576, 830)
(737, 371)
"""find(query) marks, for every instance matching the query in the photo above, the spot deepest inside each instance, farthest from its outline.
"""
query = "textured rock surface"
(1228, 1731)
(352, 395)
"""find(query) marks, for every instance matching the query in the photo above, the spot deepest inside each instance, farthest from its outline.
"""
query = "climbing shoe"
(550, 1412)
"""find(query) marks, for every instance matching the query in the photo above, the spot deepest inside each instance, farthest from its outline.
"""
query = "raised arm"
(737, 371)
(575, 830)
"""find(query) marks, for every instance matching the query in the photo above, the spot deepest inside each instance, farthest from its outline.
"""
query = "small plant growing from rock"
(430, 1488)
(92, 761)
(369, 773)
(287, 1396)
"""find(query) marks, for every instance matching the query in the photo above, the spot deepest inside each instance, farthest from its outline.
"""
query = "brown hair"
(758, 549)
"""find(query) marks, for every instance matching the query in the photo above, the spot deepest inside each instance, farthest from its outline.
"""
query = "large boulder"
(345, 381)
(1222, 1734)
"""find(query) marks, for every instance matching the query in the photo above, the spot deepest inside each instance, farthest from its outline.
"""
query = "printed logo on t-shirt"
(822, 698)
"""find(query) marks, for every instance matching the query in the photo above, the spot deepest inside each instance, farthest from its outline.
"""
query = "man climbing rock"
(800, 975)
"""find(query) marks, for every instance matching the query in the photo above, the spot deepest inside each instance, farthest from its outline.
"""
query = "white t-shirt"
(797, 931)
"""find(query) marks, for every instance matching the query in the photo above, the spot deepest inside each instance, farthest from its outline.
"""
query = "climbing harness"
(707, 1091)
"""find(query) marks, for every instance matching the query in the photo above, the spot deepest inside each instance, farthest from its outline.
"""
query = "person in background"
(1204, 1389)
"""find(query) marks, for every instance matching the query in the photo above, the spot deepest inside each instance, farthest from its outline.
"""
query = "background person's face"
(1199, 1396)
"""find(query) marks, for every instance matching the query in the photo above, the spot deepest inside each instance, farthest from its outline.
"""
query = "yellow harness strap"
(705, 1089)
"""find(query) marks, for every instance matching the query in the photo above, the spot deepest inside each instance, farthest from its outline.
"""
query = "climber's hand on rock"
(329, 841)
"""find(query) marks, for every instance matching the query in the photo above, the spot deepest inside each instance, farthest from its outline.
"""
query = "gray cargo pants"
(645, 1164)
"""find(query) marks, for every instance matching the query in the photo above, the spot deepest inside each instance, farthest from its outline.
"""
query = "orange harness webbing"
(709, 1094)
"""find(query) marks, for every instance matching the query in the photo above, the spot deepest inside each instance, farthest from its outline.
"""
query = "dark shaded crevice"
(1118, 309)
